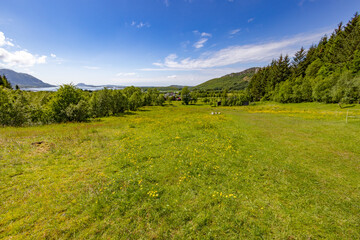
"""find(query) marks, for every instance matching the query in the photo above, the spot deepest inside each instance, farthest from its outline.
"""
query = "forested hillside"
(233, 81)
(327, 72)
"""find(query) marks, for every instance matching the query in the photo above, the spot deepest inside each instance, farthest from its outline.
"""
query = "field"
(267, 171)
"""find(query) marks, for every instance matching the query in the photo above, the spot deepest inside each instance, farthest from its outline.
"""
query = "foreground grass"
(265, 171)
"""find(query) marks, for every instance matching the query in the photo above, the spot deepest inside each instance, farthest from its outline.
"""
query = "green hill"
(233, 81)
(23, 80)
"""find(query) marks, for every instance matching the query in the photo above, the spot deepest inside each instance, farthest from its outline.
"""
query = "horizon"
(159, 42)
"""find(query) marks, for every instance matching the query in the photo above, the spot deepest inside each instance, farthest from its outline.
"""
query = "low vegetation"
(70, 104)
(266, 171)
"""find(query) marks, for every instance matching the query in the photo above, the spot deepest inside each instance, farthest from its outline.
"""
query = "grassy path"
(266, 171)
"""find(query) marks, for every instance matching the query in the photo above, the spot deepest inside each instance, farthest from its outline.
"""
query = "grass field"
(268, 171)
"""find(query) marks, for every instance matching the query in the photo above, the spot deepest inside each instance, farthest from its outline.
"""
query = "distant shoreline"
(53, 89)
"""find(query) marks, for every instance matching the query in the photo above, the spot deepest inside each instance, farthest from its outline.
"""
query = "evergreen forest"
(327, 72)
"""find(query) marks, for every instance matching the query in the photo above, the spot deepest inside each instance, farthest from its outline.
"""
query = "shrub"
(60, 104)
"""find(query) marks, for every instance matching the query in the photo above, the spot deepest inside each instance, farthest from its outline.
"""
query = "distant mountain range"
(23, 80)
(232, 81)
(87, 87)
(83, 85)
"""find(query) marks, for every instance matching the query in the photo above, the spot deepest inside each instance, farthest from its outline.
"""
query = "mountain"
(23, 80)
(79, 85)
(232, 81)
(85, 86)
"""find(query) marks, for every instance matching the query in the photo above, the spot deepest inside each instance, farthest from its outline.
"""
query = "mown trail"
(180, 172)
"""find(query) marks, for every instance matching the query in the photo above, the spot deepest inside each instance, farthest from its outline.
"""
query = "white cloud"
(17, 58)
(126, 74)
(204, 38)
(172, 76)
(200, 43)
(235, 31)
(56, 59)
(20, 58)
(204, 34)
(162, 69)
(4, 41)
(140, 24)
(251, 53)
(91, 67)
(250, 20)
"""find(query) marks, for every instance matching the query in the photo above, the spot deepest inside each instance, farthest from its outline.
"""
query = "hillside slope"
(23, 80)
(233, 81)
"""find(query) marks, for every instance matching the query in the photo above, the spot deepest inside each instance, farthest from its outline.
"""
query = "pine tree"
(4, 82)
(298, 64)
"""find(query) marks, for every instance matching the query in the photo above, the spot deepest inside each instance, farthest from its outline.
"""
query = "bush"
(322, 89)
(14, 109)
(160, 100)
(78, 112)
(120, 102)
(347, 89)
(101, 103)
(185, 96)
(66, 98)
(4, 107)
(135, 101)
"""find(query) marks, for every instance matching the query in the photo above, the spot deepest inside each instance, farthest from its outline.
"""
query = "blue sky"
(157, 42)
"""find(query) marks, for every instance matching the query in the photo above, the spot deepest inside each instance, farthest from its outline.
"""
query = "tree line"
(70, 104)
(327, 72)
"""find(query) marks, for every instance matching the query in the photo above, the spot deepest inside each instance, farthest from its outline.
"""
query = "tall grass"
(264, 171)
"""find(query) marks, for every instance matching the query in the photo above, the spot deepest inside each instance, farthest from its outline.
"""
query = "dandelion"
(153, 194)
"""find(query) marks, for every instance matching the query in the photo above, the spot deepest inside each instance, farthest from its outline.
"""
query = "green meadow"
(267, 171)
